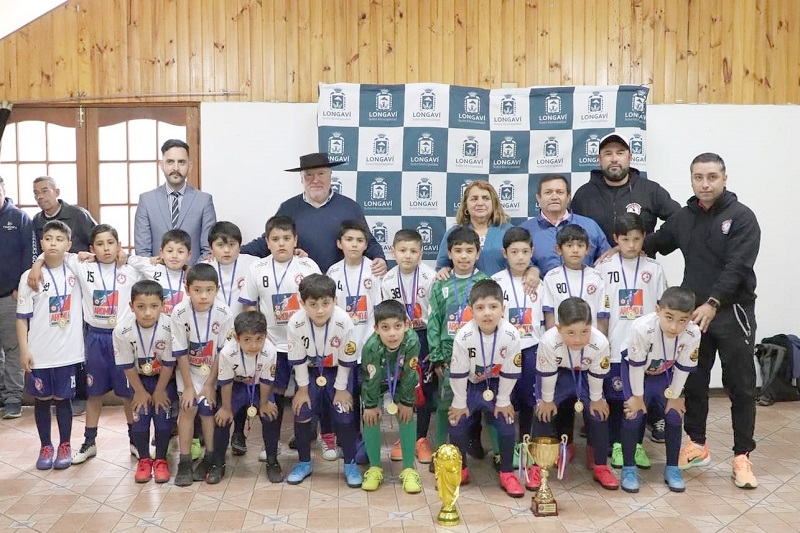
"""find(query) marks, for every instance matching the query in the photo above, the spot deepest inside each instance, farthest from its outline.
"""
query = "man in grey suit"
(175, 205)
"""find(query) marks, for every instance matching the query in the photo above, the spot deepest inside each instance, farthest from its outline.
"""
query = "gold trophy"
(544, 451)
(447, 467)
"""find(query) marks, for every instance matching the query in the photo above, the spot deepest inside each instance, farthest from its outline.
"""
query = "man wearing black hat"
(317, 213)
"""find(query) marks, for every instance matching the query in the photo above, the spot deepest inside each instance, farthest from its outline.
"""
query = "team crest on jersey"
(215, 327)
(71, 279)
(518, 360)
(121, 278)
(37, 384)
(680, 348)
(368, 284)
(89, 380)
(634, 208)
(695, 355)
(298, 278)
(412, 363)
(616, 383)
(586, 361)
(21, 301)
(350, 349)
(240, 284)
(336, 341)
(534, 297)
(371, 370)
(420, 292)
(273, 370)
(160, 345)
(646, 276)
(605, 363)
(591, 289)
(726, 226)
(503, 352)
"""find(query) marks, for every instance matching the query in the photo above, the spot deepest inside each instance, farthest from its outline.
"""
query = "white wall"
(246, 146)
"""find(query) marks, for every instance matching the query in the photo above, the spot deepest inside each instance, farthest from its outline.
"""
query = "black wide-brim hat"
(318, 160)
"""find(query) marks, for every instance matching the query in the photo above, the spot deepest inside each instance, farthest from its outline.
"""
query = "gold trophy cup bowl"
(544, 451)
(447, 467)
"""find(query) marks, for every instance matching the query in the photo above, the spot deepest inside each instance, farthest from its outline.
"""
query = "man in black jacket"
(617, 188)
(719, 238)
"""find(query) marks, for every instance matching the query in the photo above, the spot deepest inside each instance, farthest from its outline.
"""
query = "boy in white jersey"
(410, 283)
(322, 353)
(247, 370)
(574, 279)
(143, 350)
(200, 327)
(175, 252)
(570, 366)
(634, 284)
(662, 349)
(484, 368)
(225, 239)
(50, 336)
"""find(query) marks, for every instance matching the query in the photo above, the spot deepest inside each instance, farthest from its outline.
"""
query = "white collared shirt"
(181, 192)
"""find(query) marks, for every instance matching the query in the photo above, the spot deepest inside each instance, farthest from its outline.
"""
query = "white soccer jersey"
(562, 282)
(56, 304)
(135, 346)
(411, 290)
(199, 336)
(554, 354)
(272, 286)
(232, 279)
(522, 311)
(235, 365)
(633, 287)
(327, 346)
(480, 357)
(357, 292)
(172, 281)
(651, 352)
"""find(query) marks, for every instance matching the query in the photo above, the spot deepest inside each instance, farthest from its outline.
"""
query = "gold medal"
(62, 323)
(321, 381)
(355, 319)
(205, 370)
(488, 395)
(277, 313)
(578, 406)
(252, 411)
(112, 320)
(669, 393)
(147, 369)
(391, 408)
(521, 330)
(631, 314)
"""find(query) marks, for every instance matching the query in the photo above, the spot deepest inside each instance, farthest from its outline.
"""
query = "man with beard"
(617, 188)
(174, 205)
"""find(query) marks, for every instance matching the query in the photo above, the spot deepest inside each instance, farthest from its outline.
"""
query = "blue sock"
(64, 419)
(41, 413)
(142, 441)
(346, 437)
(270, 432)
(302, 432)
(90, 434)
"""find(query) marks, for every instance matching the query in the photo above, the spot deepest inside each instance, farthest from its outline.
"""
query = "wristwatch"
(713, 302)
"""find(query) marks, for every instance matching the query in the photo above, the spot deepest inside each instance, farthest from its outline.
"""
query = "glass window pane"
(132, 219)
(143, 177)
(8, 149)
(66, 177)
(118, 218)
(9, 175)
(28, 173)
(142, 140)
(168, 131)
(112, 142)
(31, 211)
(113, 183)
(61, 143)
(32, 140)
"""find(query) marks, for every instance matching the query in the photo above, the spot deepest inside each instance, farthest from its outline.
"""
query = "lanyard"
(674, 355)
(635, 273)
(227, 296)
(275, 275)
(409, 308)
(321, 358)
(358, 287)
(566, 278)
(197, 327)
(55, 286)
(520, 310)
(141, 342)
(180, 284)
(576, 379)
(462, 304)
(251, 388)
(113, 288)
(392, 380)
(483, 355)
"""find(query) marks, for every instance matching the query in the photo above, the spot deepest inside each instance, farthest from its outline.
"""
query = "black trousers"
(732, 334)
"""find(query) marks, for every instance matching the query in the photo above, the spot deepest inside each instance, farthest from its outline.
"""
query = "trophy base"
(448, 518)
(544, 508)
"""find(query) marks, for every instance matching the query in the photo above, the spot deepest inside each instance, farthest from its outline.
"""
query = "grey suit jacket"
(153, 219)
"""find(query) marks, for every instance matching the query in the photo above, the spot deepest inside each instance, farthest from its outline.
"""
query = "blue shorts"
(163, 420)
(612, 384)
(476, 403)
(102, 373)
(524, 394)
(283, 370)
(240, 396)
(58, 382)
(654, 387)
(324, 395)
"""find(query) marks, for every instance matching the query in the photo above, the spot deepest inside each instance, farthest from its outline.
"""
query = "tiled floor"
(101, 495)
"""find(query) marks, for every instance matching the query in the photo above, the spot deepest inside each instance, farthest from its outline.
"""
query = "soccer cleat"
(238, 443)
(464, 476)
(196, 450)
(534, 478)
(327, 442)
(215, 474)
(63, 456)
(87, 451)
(160, 471)
(658, 431)
(640, 458)
(352, 474)
(134, 451)
(300, 471)
(144, 471)
(629, 479)
(411, 481)
(510, 484)
(397, 452)
(605, 477)
(201, 470)
(742, 472)
(616, 455)
(274, 472)
(13, 410)
(185, 476)
(693, 455)
(45, 460)
(373, 478)
(674, 479)
(423, 451)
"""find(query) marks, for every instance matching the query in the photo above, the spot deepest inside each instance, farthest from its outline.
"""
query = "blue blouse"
(490, 260)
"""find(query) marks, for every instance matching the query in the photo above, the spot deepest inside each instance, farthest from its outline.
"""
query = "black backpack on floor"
(774, 356)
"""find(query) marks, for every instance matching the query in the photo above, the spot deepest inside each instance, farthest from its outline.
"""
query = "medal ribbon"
(409, 310)
(635, 273)
(483, 355)
(251, 388)
(674, 356)
(227, 296)
(520, 314)
(562, 464)
(347, 283)
(180, 284)
(275, 275)
(55, 286)
(392, 380)
(576, 379)
(197, 327)
(462, 304)
(147, 357)
(321, 358)
(566, 278)
(113, 288)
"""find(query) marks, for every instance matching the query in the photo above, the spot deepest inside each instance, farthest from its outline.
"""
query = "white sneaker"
(86, 452)
(327, 442)
(134, 451)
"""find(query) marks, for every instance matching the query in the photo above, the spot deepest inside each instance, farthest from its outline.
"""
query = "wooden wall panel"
(691, 51)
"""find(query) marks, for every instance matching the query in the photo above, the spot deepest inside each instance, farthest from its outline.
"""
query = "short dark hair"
(677, 299)
(552, 177)
(356, 225)
(463, 235)
(146, 287)
(572, 232)
(574, 310)
(57, 225)
(388, 309)
(517, 234)
(103, 228)
(227, 231)
(174, 143)
(250, 322)
(628, 222)
(407, 235)
(708, 157)
(202, 272)
(485, 288)
(317, 286)
(281, 222)
(177, 236)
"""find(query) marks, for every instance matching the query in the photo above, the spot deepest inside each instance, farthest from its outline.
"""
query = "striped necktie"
(175, 211)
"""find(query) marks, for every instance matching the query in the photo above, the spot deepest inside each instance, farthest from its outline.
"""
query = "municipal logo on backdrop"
(469, 108)
(469, 156)
(509, 114)
(336, 144)
(381, 154)
(637, 149)
(472, 103)
(632, 107)
(425, 232)
(383, 228)
(552, 104)
(551, 110)
(336, 185)
(423, 149)
(593, 145)
(383, 101)
(595, 108)
(464, 187)
(379, 193)
(379, 149)
(423, 195)
(586, 149)
(381, 106)
(430, 229)
(509, 198)
(427, 106)
(337, 108)
(639, 101)
(509, 152)
(551, 153)
(457, 184)
(591, 149)
(341, 143)
(381, 233)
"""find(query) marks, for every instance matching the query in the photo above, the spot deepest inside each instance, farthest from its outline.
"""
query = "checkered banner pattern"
(409, 151)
